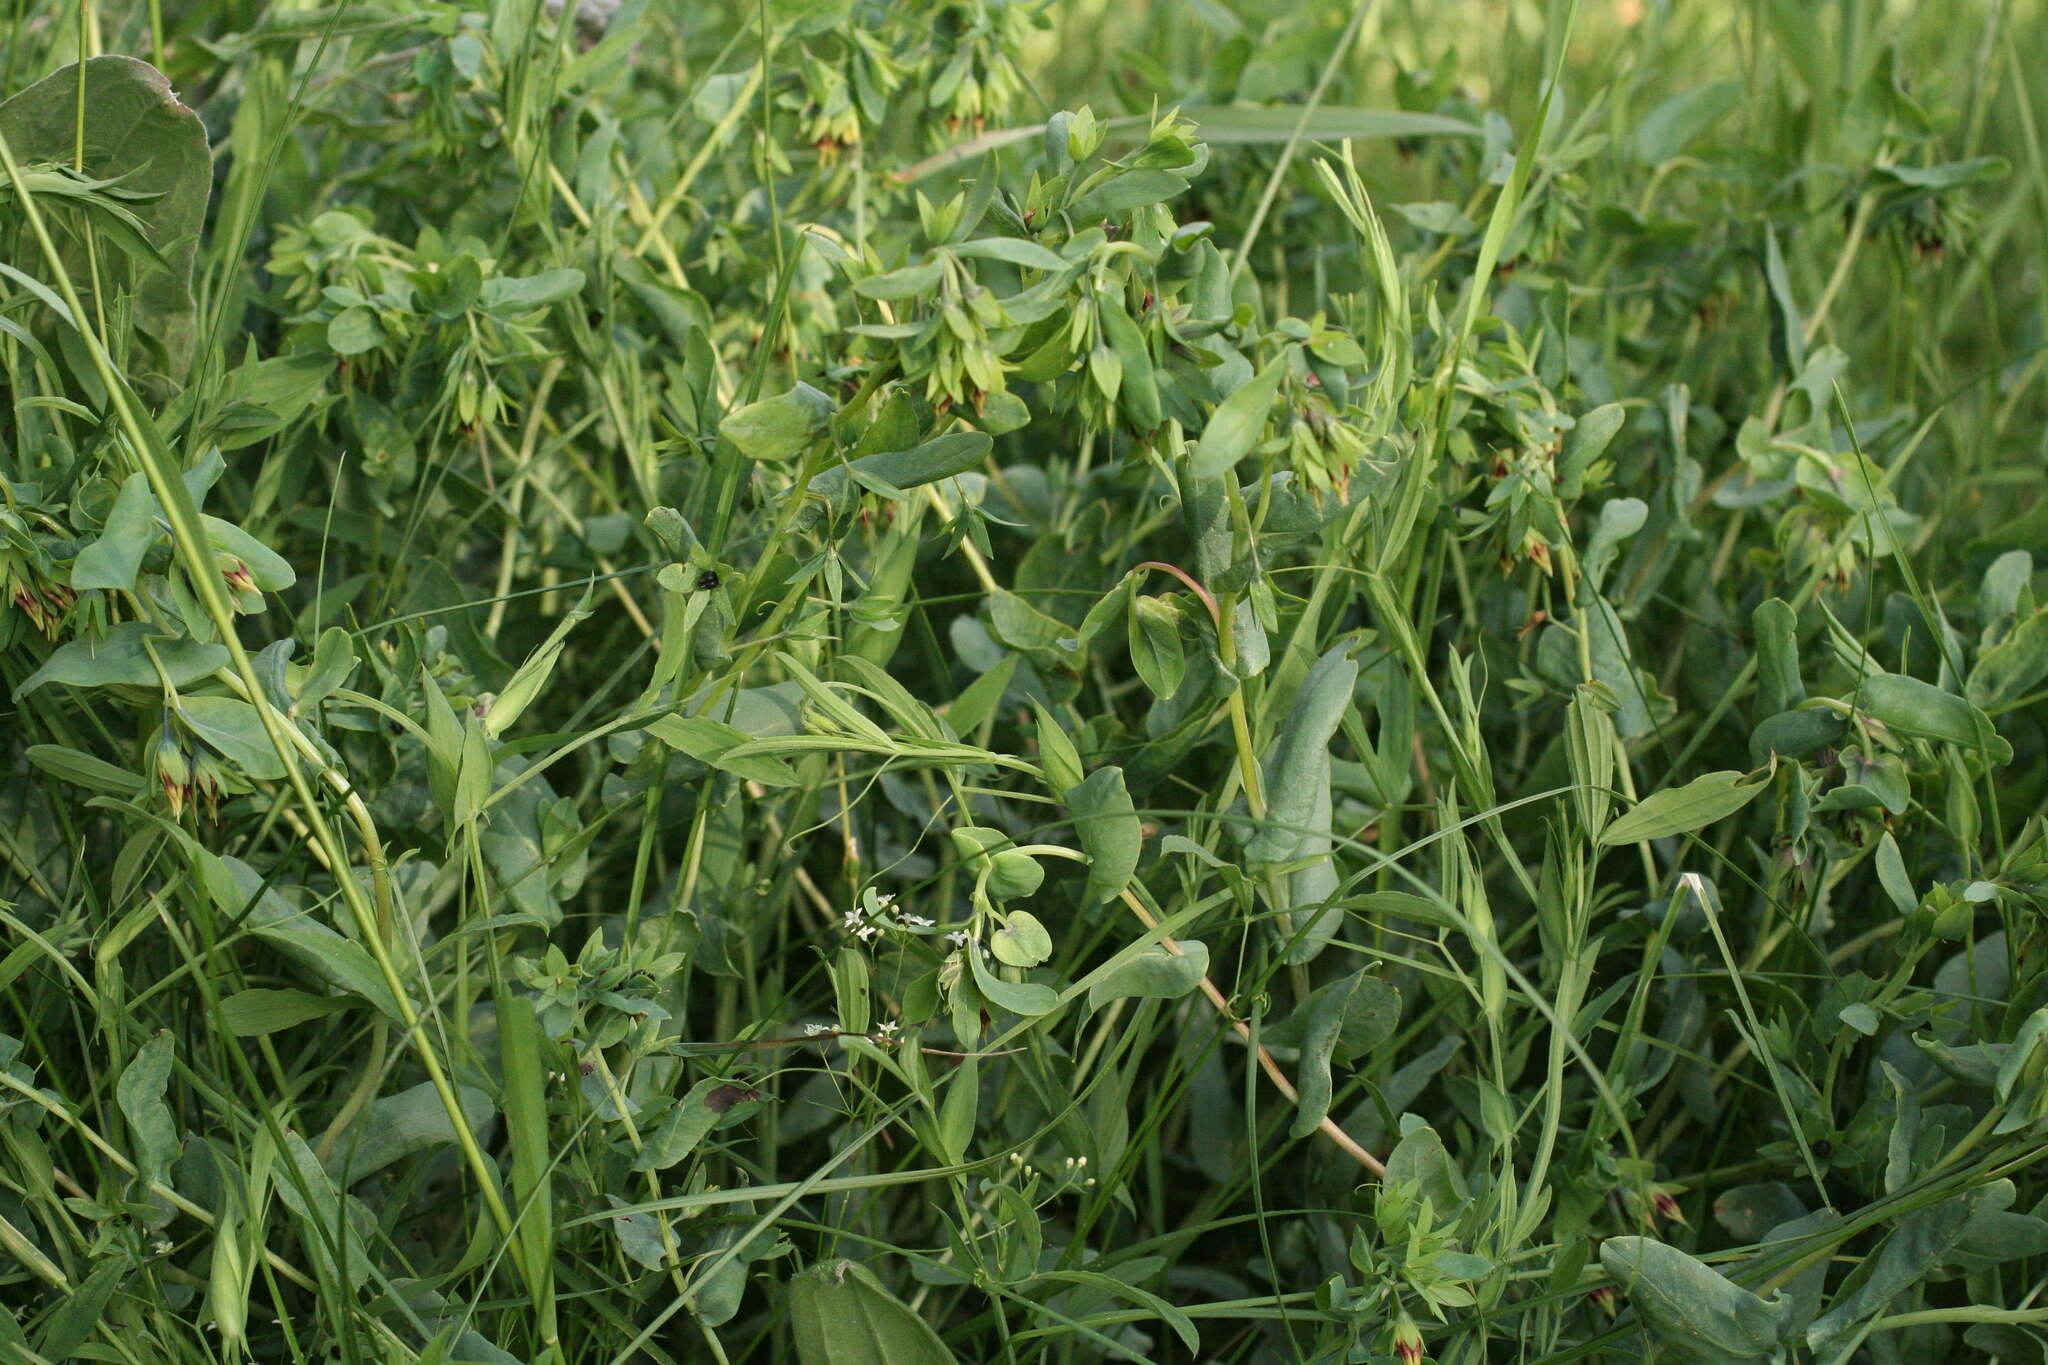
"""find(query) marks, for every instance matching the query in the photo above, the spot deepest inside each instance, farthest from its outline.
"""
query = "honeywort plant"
(1022, 680)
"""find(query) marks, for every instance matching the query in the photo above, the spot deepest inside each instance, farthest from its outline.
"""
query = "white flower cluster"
(1072, 1175)
(872, 916)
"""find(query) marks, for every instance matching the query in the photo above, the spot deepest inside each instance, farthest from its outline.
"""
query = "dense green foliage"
(1022, 680)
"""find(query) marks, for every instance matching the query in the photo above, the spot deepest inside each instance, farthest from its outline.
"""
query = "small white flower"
(888, 1028)
(958, 938)
(853, 919)
(883, 902)
(917, 921)
(813, 1030)
(866, 932)
(161, 1246)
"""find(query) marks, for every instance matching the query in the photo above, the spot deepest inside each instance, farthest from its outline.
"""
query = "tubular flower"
(234, 571)
(38, 596)
(173, 770)
(1408, 1348)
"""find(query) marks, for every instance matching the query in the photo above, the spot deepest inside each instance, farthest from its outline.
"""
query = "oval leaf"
(777, 428)
(1153, 973)
(1681, 810)
(1234, 428)
(840, 1314)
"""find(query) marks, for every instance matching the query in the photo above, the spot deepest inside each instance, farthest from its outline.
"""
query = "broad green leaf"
(1892, 875)
(1153, 973)
(1949, 174)
(1026, 629)
(1140, 387)
(1296, 764)
(238, 890)
(1788, 329)
(1683, 119)
(1796, 734)
(942, 457)
(1106, 369)
(1107, 609)
(265, 396)
(135, 132)
(1015, 250)
(1913, 707)
(325, 1228)
(1421, 1162)
(1996, 1235)
(520, 690)
(254, 1012)
(1585, 444)
(533, 870)
(233, 729)
(1311, 919)
(1681, 810)
(910, 282)
(1401, 905)
(1235, 427)
(1126, 191)
(688, 1123)
(2013, 667)
(1010, 874)
(1337, 1024)
(840, 1314)
(509, 297)
(1022, 942)
(1058, 759)
(708, 741)
(1365, 1010)
(2003, 1341)
(140, 1093)
(957, 1110)
(266, 566)
(639, 1235)
(2005, 585)
(1152, 633)
(1779, 687)
(523, 1097)
(354, 331)
(763, 712)
(852, 989)
(780, 427)
(95, 774)
(398, 1126)
(1909, 1253)
(1747, 1212)
(334, 659)
(70, 1324)
(1110, 832)
(1027, 998)
(115, 558)
(1620, 518)
(120, 658)
(1691, 1308)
